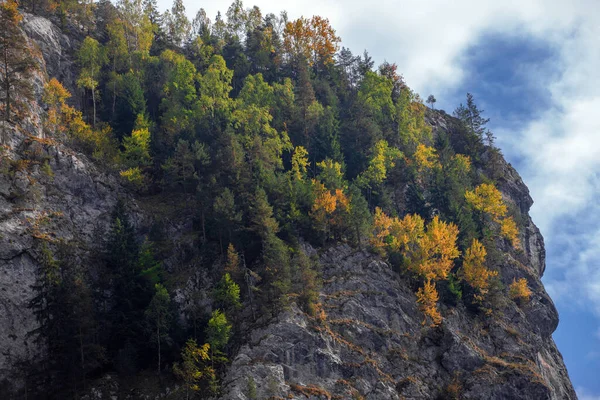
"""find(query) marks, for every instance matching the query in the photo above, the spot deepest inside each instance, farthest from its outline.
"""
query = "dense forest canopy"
(270, 135)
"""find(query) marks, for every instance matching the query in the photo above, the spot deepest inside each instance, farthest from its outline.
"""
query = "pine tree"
(471, 116)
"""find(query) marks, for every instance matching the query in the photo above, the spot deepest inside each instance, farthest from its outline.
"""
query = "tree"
(194, 367)
(519, 291)
(91, 58)
(55, 96)
(313, 41)
(488, 200)
(470, 115)
(218, 331)
(474, 271)
(227, 293)
(17, 62)
(137, 148)
(180, 101)
(383, 158)
(412, 128)
(232, 264)
(431, 101)
(158, 316)
(177, 24)
(509, 229)
(427, 297)
(360, 218)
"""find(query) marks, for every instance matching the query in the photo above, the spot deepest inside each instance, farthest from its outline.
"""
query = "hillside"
(240, 209)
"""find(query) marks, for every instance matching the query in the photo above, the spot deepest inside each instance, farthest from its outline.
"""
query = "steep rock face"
(371, 343)
(71, 203)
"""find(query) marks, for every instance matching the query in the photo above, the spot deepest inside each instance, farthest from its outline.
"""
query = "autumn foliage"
(519, 291)
(313, 40)
(427, 297)
(428, 251)
(488, 200)
(474, 271)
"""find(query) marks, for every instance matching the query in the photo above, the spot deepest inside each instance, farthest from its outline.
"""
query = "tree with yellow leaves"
(383, 159)
(429, 252)
(299, 163)
(474, 271)
(55, 96)
(427, 297)
(438, 250)
(487, 199)
(509, 230)
(194, 367)
(519, 291)
(426, 158)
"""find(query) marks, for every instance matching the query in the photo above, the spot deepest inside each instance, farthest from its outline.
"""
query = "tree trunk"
(7, 86)
(94, 101)
(158, 341)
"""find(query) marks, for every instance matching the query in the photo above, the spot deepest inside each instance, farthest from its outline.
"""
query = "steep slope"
(71, 201)
(370, 343)
(369, 340)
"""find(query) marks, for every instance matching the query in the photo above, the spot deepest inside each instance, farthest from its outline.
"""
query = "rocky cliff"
(368, 341)
(72, 199)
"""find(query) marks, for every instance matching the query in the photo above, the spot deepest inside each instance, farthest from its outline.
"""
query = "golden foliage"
(462, 163)
(519, 291)
(438, 249)
(299, 163)
(426, 158)
(330, 207)
(134, 177)
(427, 297)
(508, 229)
(474, 271)
(487, 199)
(427, 252)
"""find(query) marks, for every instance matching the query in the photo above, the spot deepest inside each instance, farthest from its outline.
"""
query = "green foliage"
(218, 331)
(227, 293)
(158, 317)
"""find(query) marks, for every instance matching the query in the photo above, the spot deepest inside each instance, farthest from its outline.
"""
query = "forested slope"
(240, 208)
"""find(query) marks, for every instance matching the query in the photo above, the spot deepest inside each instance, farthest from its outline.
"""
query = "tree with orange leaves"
(427, 297)
(311, 40)
(330, 207)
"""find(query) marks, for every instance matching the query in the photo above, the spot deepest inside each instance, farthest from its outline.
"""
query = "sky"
(534, 67)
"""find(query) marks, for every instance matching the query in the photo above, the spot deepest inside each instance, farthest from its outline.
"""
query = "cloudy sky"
(534, 66)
